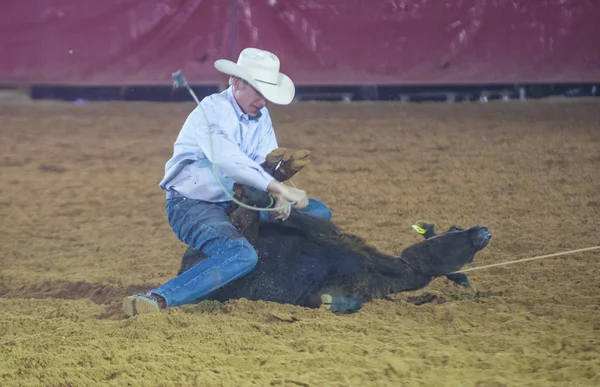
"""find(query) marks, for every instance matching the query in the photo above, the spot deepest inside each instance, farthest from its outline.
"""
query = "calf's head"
(460, 248)
(448, 252)
(480, 237)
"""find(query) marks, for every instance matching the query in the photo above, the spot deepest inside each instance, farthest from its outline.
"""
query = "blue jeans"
(206, 227)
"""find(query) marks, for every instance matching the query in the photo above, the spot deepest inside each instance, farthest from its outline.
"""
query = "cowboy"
(196, 206)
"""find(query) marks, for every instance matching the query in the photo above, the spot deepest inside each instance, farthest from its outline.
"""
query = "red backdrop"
(122, 42)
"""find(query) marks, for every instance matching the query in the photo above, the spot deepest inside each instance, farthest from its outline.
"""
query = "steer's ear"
(424, 228)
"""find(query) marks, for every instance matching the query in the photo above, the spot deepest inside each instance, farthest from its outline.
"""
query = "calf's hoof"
(340, 304)
(460, 279)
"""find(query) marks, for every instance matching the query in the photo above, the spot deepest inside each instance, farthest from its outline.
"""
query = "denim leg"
(314, 207)
(206, 226)
(317, 208)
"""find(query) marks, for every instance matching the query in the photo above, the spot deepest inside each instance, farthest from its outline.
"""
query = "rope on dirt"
(528, 259)
(180, 81)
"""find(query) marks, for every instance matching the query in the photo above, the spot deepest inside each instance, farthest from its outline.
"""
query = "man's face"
(248, 98)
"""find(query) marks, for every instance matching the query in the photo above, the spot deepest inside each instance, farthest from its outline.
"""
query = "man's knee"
(247, 258)
(225, 241)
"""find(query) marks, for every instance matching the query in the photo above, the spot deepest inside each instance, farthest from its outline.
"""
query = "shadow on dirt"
(111, 296)
(427, 298)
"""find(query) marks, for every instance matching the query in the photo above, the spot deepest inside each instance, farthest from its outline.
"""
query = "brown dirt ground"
(82, 224)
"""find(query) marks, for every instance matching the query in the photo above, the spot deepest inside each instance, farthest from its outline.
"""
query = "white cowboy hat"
(260, 69)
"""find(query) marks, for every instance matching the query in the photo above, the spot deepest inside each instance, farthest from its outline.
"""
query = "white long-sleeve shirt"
(240, 144)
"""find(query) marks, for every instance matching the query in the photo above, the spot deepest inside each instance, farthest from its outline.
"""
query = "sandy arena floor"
(82, 224)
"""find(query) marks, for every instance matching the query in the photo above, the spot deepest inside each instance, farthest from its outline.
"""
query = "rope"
(528, 259)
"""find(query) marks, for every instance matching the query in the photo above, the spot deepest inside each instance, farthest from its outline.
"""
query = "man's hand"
(283, 213)
(293, 195)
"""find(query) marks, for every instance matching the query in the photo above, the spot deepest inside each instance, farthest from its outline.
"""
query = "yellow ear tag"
(419, 229)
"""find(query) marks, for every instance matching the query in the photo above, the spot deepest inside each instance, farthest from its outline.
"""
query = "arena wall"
(320, 42)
